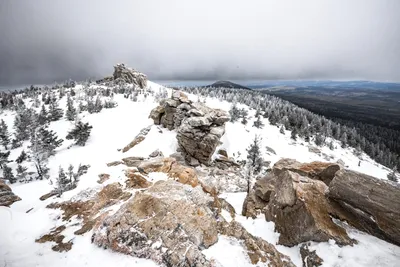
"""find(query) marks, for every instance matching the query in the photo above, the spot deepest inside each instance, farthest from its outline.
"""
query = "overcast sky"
(42, 41)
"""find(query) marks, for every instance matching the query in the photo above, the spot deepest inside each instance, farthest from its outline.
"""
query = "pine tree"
(43, 116)
(71, 111)
(294, 134)
(22, 157)
(4, 158)
(258, 123)
(392, 175)
(62, 182)
(43, 144)
(254, 157)
(21, 172)
(244, 120)
(4, 134)
(80, 133)
(331, 147)
(71, 176)
(98, 106)
(55, 113)
(319, 140)
(8, 174)
(23, 124)
(234, 113)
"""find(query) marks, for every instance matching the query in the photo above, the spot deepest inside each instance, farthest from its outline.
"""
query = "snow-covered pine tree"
(23, 124)
(254, 156)
(43, 116)
(21, 172)
(43, 144)
(4, 158)
(258, 123)
(55, 112)
(4, 134)
(294, 134)
(71, 175)
(244, 120)
(98, 105)
(392, 175)
(234, 113)
(22, 157)
(319, 140)
(8, 174)
(62, 182)
(70, 114)
(331, 147)
(80, 133)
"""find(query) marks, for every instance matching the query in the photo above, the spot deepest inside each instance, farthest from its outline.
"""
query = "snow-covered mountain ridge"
(116, 127)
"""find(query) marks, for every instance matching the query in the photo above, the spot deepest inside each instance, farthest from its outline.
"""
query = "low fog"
(43, 41)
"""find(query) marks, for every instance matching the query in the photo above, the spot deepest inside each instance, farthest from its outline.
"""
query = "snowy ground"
(115, 128)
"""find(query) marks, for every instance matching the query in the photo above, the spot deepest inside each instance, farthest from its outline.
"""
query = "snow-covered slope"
(112, 130)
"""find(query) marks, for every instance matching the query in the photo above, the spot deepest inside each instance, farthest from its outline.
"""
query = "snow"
(115, 128)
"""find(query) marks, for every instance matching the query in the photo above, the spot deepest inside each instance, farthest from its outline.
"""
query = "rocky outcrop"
(7, 197)
(301, 212)
(369, 204)
(103, 177)
(138, 139)
(324, 171)
(199, 128)
(123, 74)
(169, 223)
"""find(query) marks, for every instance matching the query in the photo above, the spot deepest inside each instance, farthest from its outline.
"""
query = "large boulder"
(199, 128)
(369, 204)
(169, 223)
(324, 171)
(7, 197)
(301, 212)
(258, 197)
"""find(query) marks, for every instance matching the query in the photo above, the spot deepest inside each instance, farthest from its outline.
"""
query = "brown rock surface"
(369, 204)
(7, 197)
(136, 180)
(103, 177)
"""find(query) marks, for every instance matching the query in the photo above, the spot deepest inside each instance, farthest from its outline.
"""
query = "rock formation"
(138, 139)
(369, 204)
(199, 128)
(171, 223)
(123, 74)
(301, 212)
(7, 197)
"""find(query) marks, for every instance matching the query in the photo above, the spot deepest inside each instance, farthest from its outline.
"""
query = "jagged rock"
(199, 128)
(103, 177)
(138, 139)
(178, 157)
(156, 153)
(114, 163)
(156, 165)
(128, 75)
(369, 204)
(300, 210)
(258, 249)
(169, 223)
(136, 180)
(7, 197)
(324, 171)
(227, 179)
(258, 197)
(132, 161)
(184, 175)
(309, 258)
(49, 195)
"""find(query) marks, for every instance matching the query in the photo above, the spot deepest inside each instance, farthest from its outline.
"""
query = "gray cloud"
(43, 41)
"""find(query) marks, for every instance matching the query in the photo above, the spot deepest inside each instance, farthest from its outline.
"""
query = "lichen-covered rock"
(136, 180)
(199, 128)
(301, 212)
(7, 197)
(169, 223)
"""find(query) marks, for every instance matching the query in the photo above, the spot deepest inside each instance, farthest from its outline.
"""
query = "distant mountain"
(227, 84)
